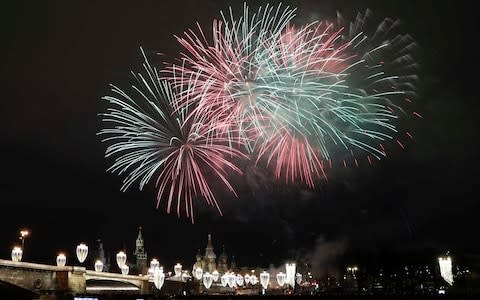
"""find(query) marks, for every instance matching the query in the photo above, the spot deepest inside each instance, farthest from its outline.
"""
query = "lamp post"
(98, 266)
(23, 235)
(298, 278)
(82, 252)
(158, 278)
(264, 279)
(125, 269)
(240, 280)
(224, 280)
(207, 280)
(17, 254)
(154, 264)
(178, 270)
(198, 273)
(281, 278)
(121, 259)
(61, 260)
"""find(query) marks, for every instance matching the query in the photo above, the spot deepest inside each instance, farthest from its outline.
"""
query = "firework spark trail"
(303, 79)
(292, 97)
(226, 70)
(151, 133)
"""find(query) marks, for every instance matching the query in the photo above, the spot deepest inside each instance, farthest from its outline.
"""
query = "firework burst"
(151, 136)
(291, 96)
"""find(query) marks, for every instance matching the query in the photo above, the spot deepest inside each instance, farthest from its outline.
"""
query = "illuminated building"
(140, 254)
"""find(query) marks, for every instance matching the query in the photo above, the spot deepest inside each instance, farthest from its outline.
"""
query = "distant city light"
(445, 263)
(290, 276)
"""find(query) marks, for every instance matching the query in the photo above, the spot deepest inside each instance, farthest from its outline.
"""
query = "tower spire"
(140, 252)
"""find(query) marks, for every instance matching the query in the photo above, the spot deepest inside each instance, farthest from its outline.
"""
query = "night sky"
(57, 61)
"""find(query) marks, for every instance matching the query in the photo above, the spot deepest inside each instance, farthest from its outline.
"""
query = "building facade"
(208, 262)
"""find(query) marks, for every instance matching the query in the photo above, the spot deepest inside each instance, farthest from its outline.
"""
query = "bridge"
(47, 281)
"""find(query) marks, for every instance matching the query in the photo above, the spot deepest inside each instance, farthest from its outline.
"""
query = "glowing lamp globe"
(232, 280)
(185, 276)
(125, 269)
(158, 278)
(224, 280)
(207, 280)
(239, 280)
(198, 273)
(281, 278)
(121, 259)
(17, 254)
(82, 252)
(215, 275)
(61, 260)
(264, 279)
(98, 266)
(178, 270)
(154, 264)
(150, 273)
(298, 278)
(247, 278)
(253, 280)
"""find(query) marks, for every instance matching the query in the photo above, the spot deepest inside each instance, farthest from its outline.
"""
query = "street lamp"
(121, 259)
(154, 264)
(231, 280)
(247, 279)
(61, 260)
(125, 269)
(98, 266)
(281, 278)
(207, 280)
(198, 273)
(23, 236)
(158, 278)
(17, 254)
(224, 280)
(178, 270)
(82, 252)
(215, 275)
(264, 279)
(298, 278)
(239, 280)
(253, 280)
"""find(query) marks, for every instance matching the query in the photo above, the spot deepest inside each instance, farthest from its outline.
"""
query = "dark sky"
(58, 59)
